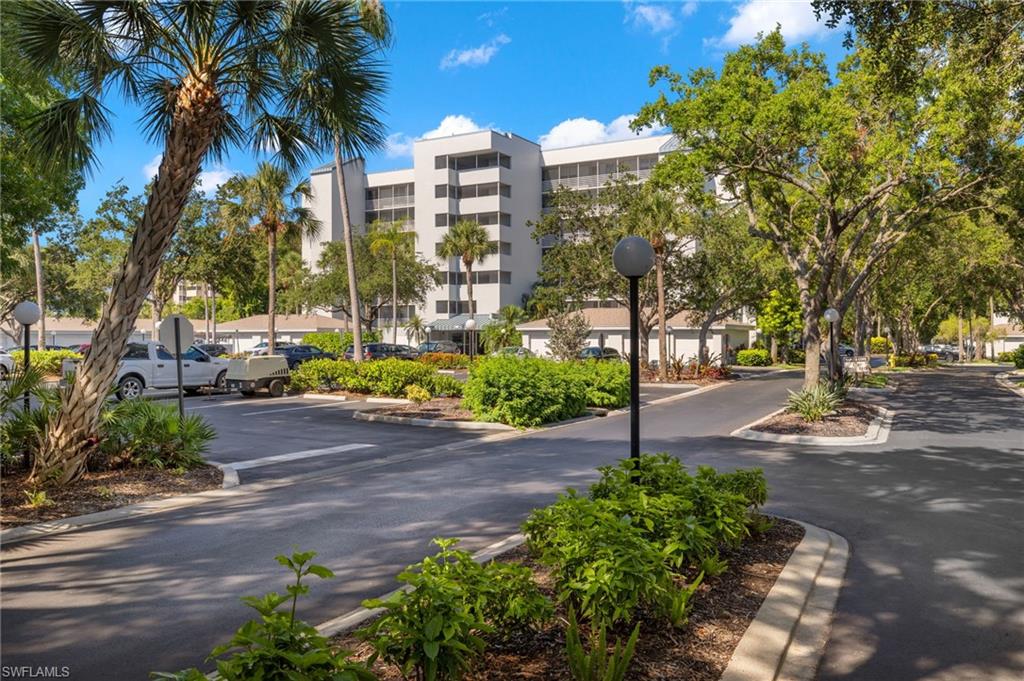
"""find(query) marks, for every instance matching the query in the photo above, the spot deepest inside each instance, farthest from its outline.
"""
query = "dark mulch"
(439, 408)
(99, 491)
(852, 418)
(723, 609)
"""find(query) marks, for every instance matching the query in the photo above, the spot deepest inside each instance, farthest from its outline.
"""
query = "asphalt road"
(934, 518)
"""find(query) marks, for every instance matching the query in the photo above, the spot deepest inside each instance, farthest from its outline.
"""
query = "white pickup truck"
(150, 365)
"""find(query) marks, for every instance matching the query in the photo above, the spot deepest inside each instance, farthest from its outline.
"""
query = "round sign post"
(177, 336)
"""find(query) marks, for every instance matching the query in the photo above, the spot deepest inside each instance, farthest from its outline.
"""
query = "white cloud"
(452, 124)
(796, 17)
(492, 17)
(654, 18)
(475, 56)
(209, 180)
(398, 145)
(689, 7)
(576, 131)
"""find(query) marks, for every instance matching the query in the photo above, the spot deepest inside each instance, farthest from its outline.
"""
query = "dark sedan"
(383, 351)
(297, 354)
(595, 352)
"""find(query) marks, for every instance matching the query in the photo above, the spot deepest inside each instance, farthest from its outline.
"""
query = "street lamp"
(633, 257)
(470, 327)
(27, 313)
(832, 316)
(428, 330)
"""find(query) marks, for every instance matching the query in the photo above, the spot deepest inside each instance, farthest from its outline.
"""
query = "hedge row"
(337, 343)
(753, 358)
(387, 377)
(532, 391)
(46, 361)
(1016, 357)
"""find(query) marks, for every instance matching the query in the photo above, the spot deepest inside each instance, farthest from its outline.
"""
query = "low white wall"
(682, 343)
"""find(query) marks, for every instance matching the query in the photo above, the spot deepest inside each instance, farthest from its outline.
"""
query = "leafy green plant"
(597, 664)
(509, 598)
(813, 404)
(880, 345)
(607, 383)
(48, 362)
(328, 341)
(37, 498)
(759, 524)
(713, 565)
(1018, 357)
(753, 358)
(432, 629)
(144, 433)
(417, 394)
(679, 601)
(277, 645)
(524, 392)
(105, 492)
(389, 377)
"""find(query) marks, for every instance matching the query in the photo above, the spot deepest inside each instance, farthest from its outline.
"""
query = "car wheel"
(276, 388)
(129, 388)
(221, 383)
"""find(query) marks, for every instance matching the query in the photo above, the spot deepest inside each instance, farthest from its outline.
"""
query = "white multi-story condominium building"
(498, 179)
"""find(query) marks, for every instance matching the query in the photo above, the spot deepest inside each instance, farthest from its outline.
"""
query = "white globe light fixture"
(633, 257)
(470, 324)
(831, 315)
(27, 313)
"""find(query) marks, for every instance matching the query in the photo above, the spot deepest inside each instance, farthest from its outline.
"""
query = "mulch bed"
(99, 491)
(851, 419)
(439, 408)
(723, 608)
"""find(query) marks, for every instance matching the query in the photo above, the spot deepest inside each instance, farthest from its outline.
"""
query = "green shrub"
(914, 360)
(417, 394)
(1018, 357)
(598, 664)
(388, 377)
(753, 358)
(433, 628)
(1006, 357)
(813, 404)
(880, 345)
(607, 383)
(47, 362)
(145, 433)
(796, 356)
(524, 392)
(444, 360)
(328, 341)
(278, 646)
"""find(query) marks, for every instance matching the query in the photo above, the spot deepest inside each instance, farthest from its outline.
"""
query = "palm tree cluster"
(294, 77)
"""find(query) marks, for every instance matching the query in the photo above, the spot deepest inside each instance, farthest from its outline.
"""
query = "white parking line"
(239, 403)
(309, 406)
(294, 456)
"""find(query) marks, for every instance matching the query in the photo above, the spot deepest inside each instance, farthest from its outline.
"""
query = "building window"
(568, 172)
(440, 162)
(441, 220)
(505, 219)
(545, 200)
(440, 191)
(588, 169)
(487, 160)
(506, 277)
(504, 161)
(505, 190)
(487, 218)
(442, 306)
(465, 163)
(505, 248)
(648, 162)
(549, 174)
(467, 192)
(489, 189)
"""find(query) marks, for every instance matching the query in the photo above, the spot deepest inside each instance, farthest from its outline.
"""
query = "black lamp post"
(27, 313)
(832, 316)
(633, 257)
(471, 337)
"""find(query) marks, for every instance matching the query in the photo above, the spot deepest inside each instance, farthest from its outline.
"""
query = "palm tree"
(264, 202)
(208, 76)
(657, 218)
(469, 242)
(502, 332)
(415, 329)
(391, 240)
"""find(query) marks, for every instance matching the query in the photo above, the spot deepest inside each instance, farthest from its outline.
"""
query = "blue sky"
(560, 73)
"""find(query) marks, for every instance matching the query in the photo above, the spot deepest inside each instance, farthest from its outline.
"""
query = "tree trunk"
(662, 322)
(72, 435)
(213, 311)
(206, 311)
(469, 288)
(271, 288)
(992, 328)
(394, 299)
(350, 263)
(775, 351)
(812, 349)
(702, 341)
(960, 335)
(40, 297)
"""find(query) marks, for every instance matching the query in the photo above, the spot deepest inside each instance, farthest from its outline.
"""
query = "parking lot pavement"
(650, 393)
(271, 438)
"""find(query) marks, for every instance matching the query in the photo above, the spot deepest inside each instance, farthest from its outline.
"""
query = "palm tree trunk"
(662, 322)
(40, 297)
(469, 288)
(271, 287)
(213, 312)
(206, 311)
(346, 230)
(960, 334)
(394, 299)
(72, 435)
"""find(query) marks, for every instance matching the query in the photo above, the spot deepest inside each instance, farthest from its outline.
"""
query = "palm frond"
(66, 131)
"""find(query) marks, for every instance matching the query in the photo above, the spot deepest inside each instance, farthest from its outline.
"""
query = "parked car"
(844, 350)
(214, 349)
(6, 364)
(512, 351)
(383, 351)
(297, 354)
(595, 352)
(150, 365)
(261, 347)
(439, 346)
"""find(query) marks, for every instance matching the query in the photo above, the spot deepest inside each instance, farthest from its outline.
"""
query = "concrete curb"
(878, 433)
(387, 400)
(657, 384)
(429, 423)
(324, 396)
(354, 618)
(787, 638)
(1003, 379)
